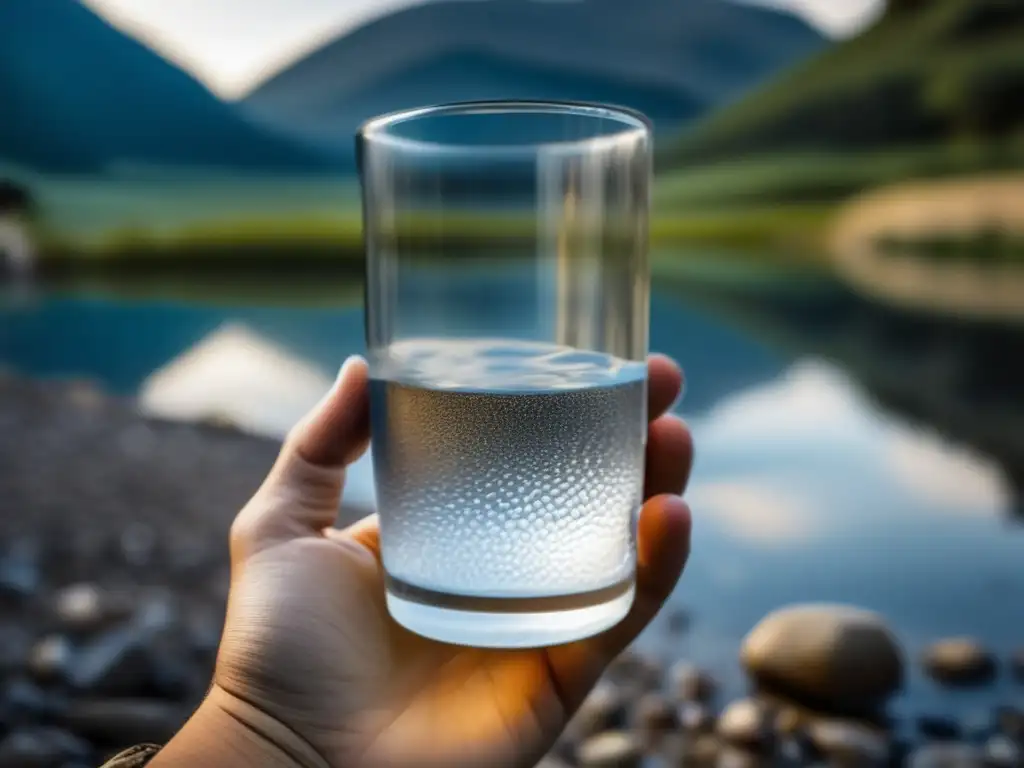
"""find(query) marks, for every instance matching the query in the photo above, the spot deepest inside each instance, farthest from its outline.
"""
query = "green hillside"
(934, 88)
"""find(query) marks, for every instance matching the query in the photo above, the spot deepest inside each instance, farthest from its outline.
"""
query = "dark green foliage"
(926, 73)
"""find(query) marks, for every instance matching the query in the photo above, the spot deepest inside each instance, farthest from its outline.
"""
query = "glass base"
(507, 622)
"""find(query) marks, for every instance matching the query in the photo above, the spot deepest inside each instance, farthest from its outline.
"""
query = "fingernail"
(350, 361)
(679, 398)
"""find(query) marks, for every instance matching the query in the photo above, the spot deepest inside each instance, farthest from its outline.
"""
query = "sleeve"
(136, 757)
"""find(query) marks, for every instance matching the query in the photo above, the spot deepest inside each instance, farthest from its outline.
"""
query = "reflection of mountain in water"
(959, 377)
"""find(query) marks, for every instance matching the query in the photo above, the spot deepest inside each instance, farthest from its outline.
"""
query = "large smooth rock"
(614, 749)
(959, 661)
(836, 656)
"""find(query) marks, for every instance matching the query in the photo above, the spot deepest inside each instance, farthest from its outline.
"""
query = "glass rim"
(634, 124)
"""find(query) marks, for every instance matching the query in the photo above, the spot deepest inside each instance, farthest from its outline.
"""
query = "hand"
(313, 672)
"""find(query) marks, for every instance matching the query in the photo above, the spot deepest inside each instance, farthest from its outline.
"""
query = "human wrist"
(226, 732)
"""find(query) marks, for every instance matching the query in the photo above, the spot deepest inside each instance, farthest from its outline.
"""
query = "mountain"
(78, 96)
(930, 72)
(672, 59)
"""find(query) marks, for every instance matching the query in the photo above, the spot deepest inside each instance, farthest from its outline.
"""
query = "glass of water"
(507, 314)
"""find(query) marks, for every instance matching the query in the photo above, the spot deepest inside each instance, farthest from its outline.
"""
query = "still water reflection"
(837, 461)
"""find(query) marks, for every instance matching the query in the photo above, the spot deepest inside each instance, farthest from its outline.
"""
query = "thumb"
(301, 495)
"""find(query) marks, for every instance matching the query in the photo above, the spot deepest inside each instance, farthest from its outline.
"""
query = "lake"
(846, 451)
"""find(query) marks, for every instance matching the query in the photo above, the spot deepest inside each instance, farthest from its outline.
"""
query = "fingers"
(669, 457)
(302, 493)
(337, 430)
(664, 383)
(365, 532)
(662, 549)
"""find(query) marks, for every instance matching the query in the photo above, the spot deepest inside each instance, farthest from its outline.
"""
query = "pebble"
(849, 743)
(116, 662)
(959, 661)
(688, 682)
(204, 628)
(612, 749)
(42, 748)
(552, 761)
(84, 394)
(744, 723)
(702, 751)
(839, 656)
(733, 757)
(22, 701)
(20, 574)
(1003, 752)
(945, 755)
(695, 718)
(678, 621)
(1010, 722)
(789, 721)
(15, 645)
(50, 658)
(79, 607)
(121, 723)
(653, 713)
(604, 709)
(1017, 665)
(938, 728)
(635, 671)
(138, 544)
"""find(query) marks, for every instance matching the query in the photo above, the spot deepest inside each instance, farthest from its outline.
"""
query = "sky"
(233, 44)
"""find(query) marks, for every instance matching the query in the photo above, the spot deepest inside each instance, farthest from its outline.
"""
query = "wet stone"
(678, 621)
(960, 661)
(51, 658)
(22, 702)
(115, 662)
(79, 607)
(15, 646)
(938, 728)
(613, 749)
(635, 671)
(946, 755)
(124, 722)
(20, 575)
(1010, 722)
(695, 718)
(744, 723)
(653, 713)
(42, 748)
(849, 743)
(1003, 752)
(138, 544)
(839, 656)
(688, 682)
(605, 708)
(1017, 665)
(702, 751)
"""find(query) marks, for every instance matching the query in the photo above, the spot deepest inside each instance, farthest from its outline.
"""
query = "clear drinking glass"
(507, 293)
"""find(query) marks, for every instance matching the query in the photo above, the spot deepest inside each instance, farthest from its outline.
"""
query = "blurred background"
(838, 262)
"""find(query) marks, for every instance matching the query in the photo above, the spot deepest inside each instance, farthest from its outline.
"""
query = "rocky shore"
(113, 580)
